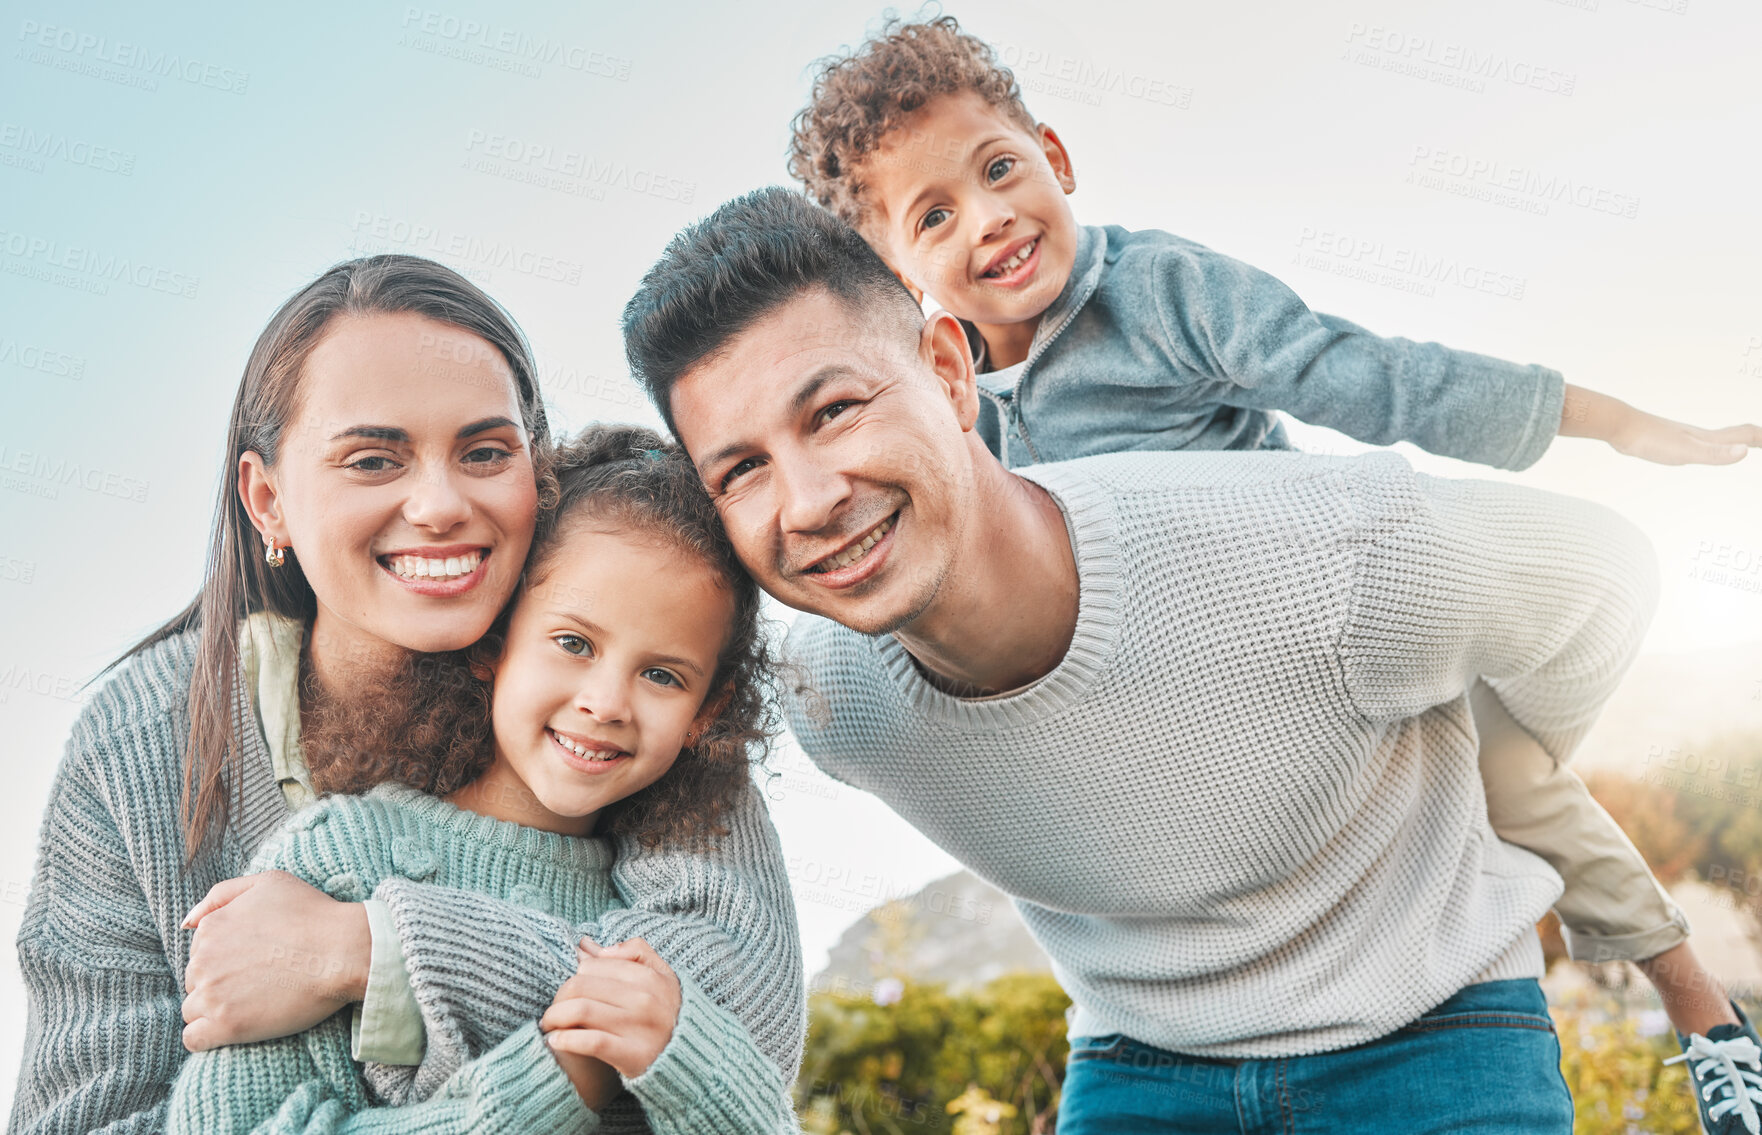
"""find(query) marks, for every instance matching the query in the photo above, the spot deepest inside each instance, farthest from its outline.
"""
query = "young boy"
(1096, 340)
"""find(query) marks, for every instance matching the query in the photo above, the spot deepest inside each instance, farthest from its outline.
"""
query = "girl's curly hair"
(857, 98)
(632, 478)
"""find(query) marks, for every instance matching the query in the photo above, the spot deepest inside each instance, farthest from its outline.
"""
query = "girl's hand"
(620, 1007)
(272, 956)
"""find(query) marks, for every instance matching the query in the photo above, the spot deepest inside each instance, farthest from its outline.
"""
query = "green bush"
(996, 1055)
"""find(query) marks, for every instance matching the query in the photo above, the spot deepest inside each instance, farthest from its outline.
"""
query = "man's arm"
(1545, 596)
(723, 918)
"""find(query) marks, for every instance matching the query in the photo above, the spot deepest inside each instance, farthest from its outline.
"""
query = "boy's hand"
(1651, 438)
(619, 1008)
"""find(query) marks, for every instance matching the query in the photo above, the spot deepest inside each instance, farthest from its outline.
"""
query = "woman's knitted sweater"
(103, 954)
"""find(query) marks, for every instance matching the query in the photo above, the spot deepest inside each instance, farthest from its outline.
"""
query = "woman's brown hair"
(236, 580)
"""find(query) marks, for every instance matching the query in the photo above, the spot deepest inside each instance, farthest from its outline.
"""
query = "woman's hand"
(272, 957)
(619, 1008)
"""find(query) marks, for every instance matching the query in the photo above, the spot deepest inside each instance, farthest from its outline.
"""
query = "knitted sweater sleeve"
(724, 919)
(307, 1085)
(1545, 596)
(104, 1036)
(1230, 321)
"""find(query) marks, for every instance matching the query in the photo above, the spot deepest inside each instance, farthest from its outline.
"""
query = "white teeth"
(421, 567)
(1015, 261)
(856, 551)
(583, 751)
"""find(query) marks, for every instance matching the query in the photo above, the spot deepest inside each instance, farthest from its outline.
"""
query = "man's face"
(836, 455)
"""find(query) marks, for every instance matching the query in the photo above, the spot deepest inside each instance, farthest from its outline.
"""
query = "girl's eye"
(998, 168)
(374, 463)
(660, 677)
(934, 217)
(572, 643)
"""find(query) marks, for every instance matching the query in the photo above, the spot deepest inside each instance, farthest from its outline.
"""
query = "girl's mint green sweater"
(709, 1078)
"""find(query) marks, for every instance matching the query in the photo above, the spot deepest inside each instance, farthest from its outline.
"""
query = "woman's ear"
(257, 493)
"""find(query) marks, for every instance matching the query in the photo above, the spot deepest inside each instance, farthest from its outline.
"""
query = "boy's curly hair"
(857, 98)
(633, 478)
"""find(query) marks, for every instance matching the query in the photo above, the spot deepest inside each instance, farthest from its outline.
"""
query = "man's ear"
(257, 493)
(1058, 158)
(943, 347)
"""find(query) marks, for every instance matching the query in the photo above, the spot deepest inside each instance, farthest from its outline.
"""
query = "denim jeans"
(1486, 1060)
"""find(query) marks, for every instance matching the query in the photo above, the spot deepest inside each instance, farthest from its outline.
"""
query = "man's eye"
(746, 466)
(934, 217)
(998, 168)
(833, 409)
(572, 643)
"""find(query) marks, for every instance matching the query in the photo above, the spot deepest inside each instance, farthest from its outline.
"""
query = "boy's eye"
(572, 643)
(934, 217)
(661, 677)
(998, 168)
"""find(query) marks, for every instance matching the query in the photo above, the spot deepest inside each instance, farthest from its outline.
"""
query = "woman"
(388, 441)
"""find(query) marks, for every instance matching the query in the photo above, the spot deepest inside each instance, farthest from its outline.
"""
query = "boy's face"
(970, 208)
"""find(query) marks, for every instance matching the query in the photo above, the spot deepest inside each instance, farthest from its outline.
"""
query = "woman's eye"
(998, 168)
(487, 455)
(934, 217)
(373, 464)
(572, 643)
(660, 677)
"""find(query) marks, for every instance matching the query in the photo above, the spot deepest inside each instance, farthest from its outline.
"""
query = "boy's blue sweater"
(1160, 343)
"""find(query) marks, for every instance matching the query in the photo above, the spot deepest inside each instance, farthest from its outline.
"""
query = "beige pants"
(1613, 908)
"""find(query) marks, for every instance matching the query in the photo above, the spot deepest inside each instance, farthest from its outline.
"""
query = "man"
(1204, 715)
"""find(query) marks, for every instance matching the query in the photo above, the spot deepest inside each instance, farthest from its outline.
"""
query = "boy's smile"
(970, 208)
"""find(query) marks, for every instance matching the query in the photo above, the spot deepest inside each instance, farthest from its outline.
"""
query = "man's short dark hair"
(726, 272)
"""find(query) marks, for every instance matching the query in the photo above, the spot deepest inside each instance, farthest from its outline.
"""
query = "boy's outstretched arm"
(1636, 433)
(1264, 349)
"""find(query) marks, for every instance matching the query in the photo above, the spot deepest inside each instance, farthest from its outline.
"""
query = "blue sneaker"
(1725, 1068)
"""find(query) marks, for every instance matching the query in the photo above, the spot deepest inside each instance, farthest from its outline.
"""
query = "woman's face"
(404, 487)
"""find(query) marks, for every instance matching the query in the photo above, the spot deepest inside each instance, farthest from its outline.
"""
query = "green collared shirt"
(386, 1027)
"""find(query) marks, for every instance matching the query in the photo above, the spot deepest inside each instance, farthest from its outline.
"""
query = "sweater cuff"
(710, 1075)
(520, 1087)
(386, 1027)
(1544, 422)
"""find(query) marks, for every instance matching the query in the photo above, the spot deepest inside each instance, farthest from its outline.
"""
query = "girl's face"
(608, 657)
(404, 487)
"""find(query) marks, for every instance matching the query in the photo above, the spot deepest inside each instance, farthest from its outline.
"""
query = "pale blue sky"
(167, 178)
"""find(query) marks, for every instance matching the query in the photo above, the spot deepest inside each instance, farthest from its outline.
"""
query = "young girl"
(619, 694)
